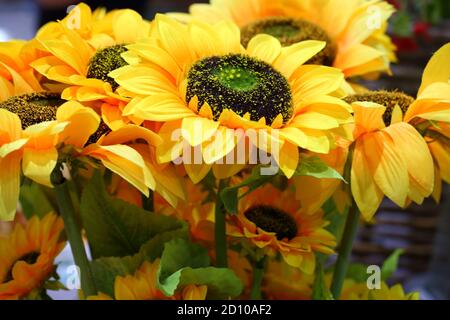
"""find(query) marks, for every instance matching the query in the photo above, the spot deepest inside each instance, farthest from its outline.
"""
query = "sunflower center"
(271, 219)
(389, 99)
(242, 84)
(105, 61)
(33, 108)
(290, 31)
(29, 258)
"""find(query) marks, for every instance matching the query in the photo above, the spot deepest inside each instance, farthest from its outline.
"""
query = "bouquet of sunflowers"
(225, 153)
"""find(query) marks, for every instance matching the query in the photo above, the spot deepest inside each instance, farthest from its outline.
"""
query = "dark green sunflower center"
(29, 258)
(389, 99)
(290, 31)
(242, 84)
(33, 108)
(271, 219)
(105, 61)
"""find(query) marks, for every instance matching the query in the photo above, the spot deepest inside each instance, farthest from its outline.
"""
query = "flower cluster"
(221, 137)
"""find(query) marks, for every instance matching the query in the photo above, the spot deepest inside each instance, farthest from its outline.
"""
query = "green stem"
(73, 232)
(345, 249)
(258, 275)
(220, 231)
(148, 203)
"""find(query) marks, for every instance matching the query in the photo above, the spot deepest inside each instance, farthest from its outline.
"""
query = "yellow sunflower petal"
(437, 69)
(264, 47)
(415, 151)
(9, 185)
(39, 164)
(366, 193)
(292, 57)
(387, 165)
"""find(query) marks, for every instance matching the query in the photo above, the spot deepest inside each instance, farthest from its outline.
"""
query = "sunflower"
(197, 80)
(354, 30)
(99, 27)
(397, 137)
(80, 58)
(356, 290)
(395, 292)
(430, 113)
(27, 256)
(143, 286)
(273, 221)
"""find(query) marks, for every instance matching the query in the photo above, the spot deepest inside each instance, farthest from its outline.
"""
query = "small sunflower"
(355, 290)
(143, 286)
(356, 36)
(32, 126)
(274, 222)
(27, 256)
(199, 77)
(80, 58)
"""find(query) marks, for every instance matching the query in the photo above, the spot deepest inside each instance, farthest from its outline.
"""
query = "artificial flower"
(32, 127)
(79, 58)
(354, 30)
(272, 220)
(397, 160)
(27, 256)
(200, 83)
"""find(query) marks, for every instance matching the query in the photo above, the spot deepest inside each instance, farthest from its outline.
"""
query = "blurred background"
(418, 29)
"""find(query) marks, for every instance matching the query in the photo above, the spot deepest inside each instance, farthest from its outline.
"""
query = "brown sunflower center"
(272, 219)
(105, 61)
(389, 99)
(29, 258)
(242, 84)
(290, 31)
(33, 108)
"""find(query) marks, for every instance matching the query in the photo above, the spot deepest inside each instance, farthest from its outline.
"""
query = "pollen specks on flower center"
(105, 61)
(290, 31)
(389, 99)
(242, 84)
(271, 219)
(33, 108)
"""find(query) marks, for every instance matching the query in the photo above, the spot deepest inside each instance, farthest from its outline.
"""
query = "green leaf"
(315, 167)
(402, 24)
(320, 289)
(229, 195)
(105, 270)
(390, 264)
(357, 272)
(184, 263)
(117, 228)
(34, 201)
